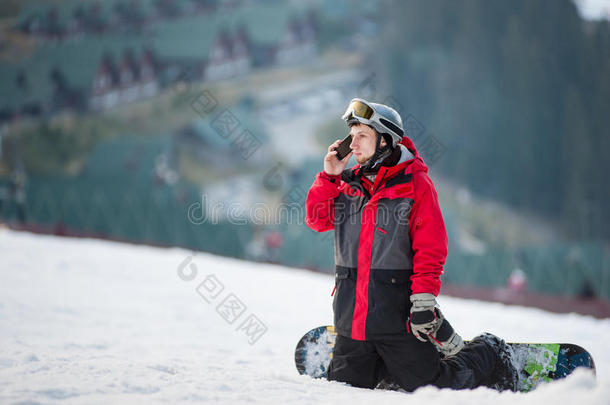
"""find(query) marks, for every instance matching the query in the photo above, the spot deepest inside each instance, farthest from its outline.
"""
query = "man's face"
(363, 143)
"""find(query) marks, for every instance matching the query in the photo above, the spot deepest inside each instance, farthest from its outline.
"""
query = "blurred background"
(202, 123)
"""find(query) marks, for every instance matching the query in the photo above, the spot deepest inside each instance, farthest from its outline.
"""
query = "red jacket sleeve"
(320, 202)
(428, 237)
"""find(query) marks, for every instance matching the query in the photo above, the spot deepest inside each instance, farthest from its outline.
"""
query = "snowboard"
(536, 362)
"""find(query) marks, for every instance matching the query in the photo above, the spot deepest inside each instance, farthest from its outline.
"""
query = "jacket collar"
(411, 163)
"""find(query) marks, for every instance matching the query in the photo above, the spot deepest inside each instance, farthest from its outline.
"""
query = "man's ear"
(382, 143)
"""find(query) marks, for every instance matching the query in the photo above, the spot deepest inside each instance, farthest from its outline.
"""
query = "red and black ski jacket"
(390, 242)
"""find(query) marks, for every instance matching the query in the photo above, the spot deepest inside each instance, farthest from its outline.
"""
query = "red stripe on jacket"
(367, 230)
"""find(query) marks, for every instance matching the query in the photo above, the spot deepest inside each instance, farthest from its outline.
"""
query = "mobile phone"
(343, 149)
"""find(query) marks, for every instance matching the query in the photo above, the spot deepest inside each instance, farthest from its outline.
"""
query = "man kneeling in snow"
(390, 248)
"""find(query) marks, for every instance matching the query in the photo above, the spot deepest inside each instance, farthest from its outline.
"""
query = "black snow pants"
(410, 363)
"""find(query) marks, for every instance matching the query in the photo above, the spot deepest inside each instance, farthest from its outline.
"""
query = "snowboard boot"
(387, 382)
(504, 375)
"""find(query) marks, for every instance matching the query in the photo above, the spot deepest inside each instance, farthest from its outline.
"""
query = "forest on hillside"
(518, 93)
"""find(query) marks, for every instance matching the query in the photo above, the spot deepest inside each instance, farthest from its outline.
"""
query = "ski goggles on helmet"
(359, 110)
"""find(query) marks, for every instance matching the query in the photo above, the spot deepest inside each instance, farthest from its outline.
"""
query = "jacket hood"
(416, 164)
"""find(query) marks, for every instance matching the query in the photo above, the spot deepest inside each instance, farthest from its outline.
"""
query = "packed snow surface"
(88, 321)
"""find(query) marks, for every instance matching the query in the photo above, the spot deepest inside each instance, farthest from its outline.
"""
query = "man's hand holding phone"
(332, 164)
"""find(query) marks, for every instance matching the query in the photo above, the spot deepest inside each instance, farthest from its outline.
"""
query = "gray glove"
(428, 323)
(423, 318)
(444, 337)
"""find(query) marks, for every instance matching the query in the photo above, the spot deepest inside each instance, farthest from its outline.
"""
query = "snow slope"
(87, 321)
